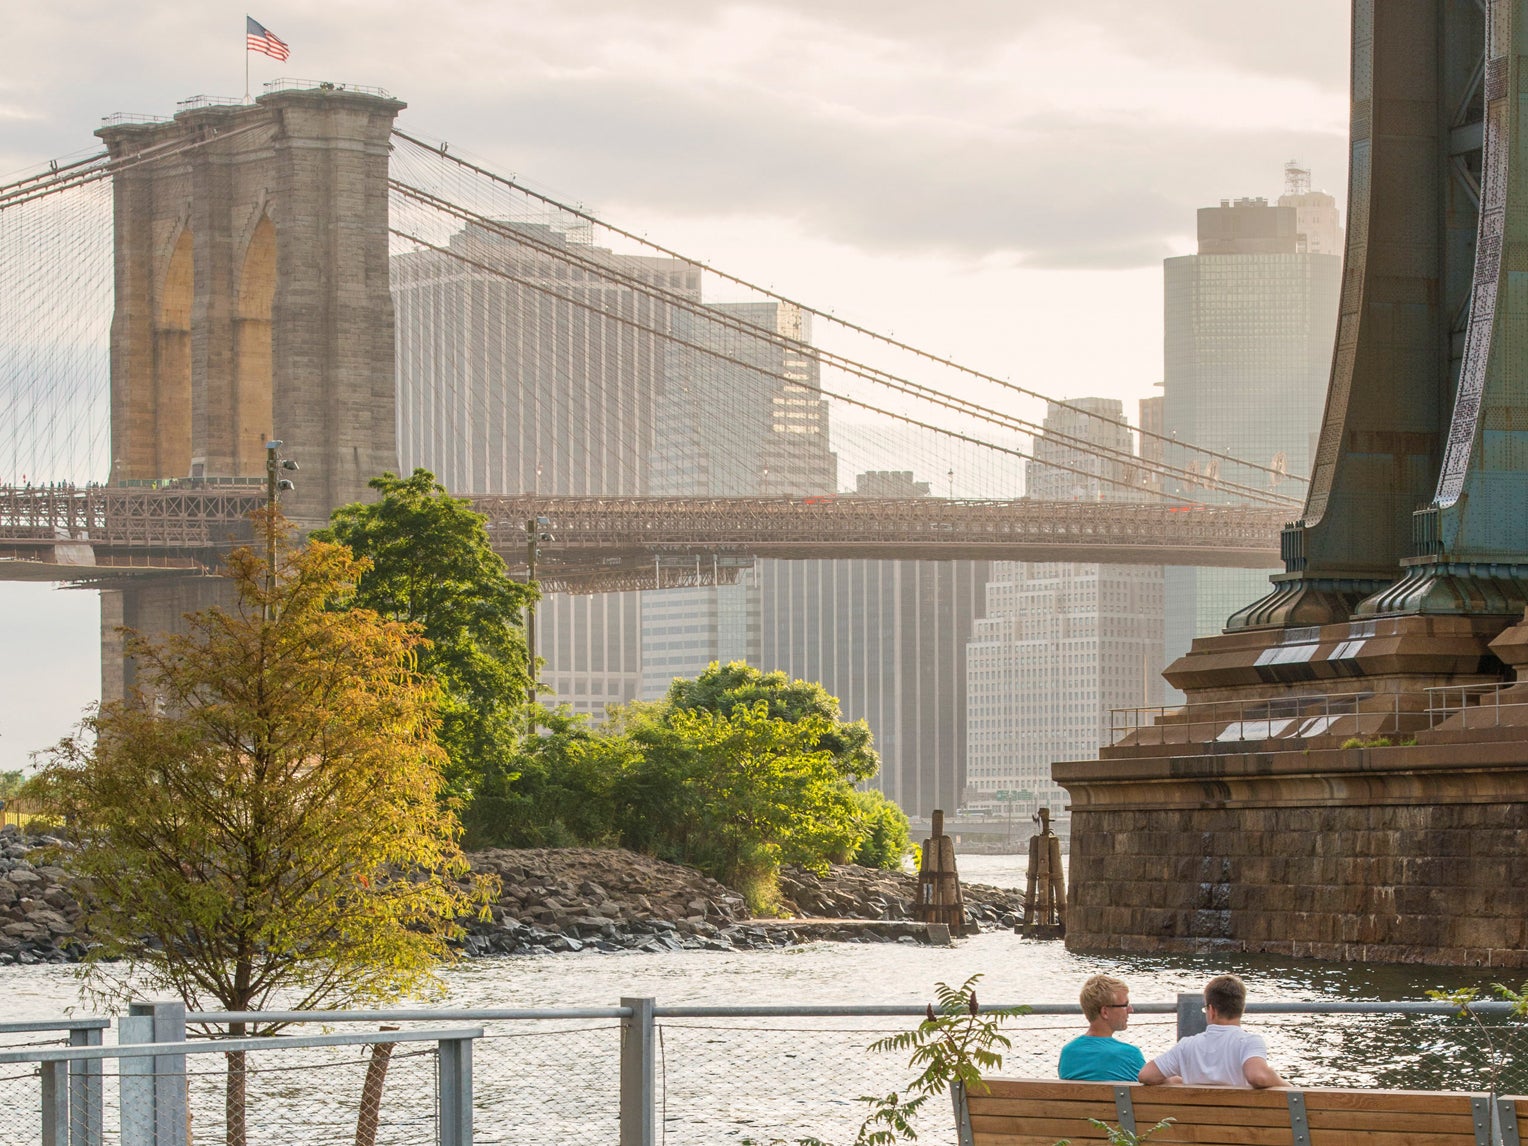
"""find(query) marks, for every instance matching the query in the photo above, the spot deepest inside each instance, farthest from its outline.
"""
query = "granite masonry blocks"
(1405, 883)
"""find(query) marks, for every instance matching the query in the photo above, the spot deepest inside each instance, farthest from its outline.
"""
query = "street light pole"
(530, 607)
(535, 534)
(274, 484)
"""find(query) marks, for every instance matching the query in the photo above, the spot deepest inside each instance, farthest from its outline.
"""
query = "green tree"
(11, 784)
(431, 564)
(556, 790)
(262, 822)
(884, 831)
(737, 793)
(721, 688)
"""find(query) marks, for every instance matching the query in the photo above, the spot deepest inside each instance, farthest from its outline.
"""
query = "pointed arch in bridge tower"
(253, 302)
(171, 379)
(252, 381)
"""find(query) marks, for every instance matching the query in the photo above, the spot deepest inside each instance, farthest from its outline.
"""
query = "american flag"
(258, 39)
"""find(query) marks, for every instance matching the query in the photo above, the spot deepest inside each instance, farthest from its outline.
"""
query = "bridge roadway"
(105, 534)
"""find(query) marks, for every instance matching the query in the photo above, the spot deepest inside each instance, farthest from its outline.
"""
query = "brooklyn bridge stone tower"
(1350, 777)
(252, 303)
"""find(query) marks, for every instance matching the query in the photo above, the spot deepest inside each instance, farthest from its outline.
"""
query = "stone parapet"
(1386, 854)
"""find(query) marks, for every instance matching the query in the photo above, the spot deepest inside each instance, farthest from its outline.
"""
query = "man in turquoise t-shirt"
(1098, 1056)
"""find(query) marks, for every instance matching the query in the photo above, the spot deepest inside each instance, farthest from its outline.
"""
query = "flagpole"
(246, 64)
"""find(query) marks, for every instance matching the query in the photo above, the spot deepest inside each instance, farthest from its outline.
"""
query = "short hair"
(1098, 993)
(1227, 994)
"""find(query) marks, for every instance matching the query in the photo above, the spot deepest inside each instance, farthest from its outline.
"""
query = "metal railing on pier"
(638, 1074)
(1274, 718)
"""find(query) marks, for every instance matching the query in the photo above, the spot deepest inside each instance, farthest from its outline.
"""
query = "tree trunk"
(370, 1116)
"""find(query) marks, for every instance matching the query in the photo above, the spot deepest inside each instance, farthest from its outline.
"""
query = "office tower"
(888, 639)
(517, 373)
(745, 419)
(1061, 644)
(1249, 323)
(1150, 447)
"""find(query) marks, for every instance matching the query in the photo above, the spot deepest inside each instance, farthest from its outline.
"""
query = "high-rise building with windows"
(888, 639)
(1249, 324)
(1062, 644)
(506, 383)
(510, 384)
(746, 420)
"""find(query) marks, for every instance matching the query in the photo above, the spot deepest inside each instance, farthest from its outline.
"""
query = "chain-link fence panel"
(21, 1100)
(767, 1081)
(546, 1082)
(1393, 1051)
(377, 1095)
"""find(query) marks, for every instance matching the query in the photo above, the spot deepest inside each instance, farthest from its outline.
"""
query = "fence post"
(638, 1110)
(135, 1083)
(85, 1121)
(55, 1103)
(1191, 1018)
(454, 1069)
(171, 1106)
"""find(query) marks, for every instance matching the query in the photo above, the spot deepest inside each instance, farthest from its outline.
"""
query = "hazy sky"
(997, 180)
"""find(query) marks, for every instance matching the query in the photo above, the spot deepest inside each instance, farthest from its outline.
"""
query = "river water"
(801, 1065)
(1013, 969)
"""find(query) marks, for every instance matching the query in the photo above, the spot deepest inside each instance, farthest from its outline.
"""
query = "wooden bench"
(1039, 1112)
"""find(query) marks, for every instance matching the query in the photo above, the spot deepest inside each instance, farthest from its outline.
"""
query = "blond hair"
(1098, 993)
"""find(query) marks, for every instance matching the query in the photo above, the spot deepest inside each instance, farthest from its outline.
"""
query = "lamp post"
(534, 535)
(274, 485)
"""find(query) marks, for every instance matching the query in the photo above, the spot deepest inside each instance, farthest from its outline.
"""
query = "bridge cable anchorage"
(16, 194)
(1128, 461)
(830, 317)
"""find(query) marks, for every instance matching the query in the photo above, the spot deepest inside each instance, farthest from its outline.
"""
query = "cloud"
(974, 129)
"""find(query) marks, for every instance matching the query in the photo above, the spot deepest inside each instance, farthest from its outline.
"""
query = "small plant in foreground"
(1121, 1137)
(954, 1044)
(1462, 1000)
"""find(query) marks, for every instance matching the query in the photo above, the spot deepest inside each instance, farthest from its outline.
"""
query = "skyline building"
(517, 373)
(888, 639)
(1249, 322)
(745, 421)
(1061, 644)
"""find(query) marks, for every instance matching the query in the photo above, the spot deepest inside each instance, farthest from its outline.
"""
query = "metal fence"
(637, 1074)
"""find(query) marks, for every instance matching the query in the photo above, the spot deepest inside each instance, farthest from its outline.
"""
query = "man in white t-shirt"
(1222, 1054)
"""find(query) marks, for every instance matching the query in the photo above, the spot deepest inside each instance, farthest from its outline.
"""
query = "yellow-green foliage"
(261, 824)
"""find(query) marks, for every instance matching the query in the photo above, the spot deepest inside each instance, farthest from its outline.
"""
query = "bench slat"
(989, 1131)
(1420, 1101)
(1419, 1123)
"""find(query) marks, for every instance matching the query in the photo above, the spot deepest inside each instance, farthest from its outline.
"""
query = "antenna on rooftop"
(1296, 178)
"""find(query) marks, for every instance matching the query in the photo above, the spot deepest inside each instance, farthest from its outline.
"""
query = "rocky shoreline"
(568, 899)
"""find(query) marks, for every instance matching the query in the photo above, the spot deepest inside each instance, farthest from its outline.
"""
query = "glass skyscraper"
(1249, 323)
(1062, 644)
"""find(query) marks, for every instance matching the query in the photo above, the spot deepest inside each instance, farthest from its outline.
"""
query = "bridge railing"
(641, 1074)
(1495, 704)
(1305, 717)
